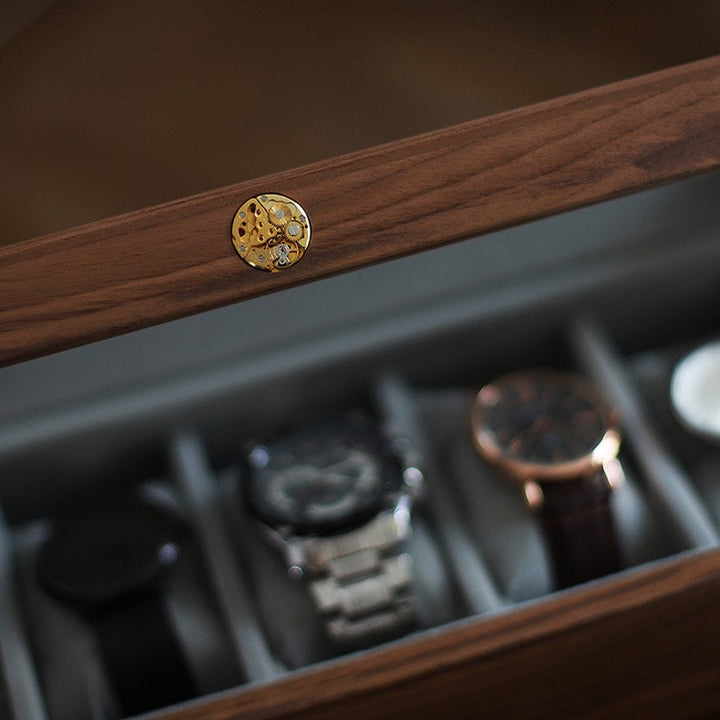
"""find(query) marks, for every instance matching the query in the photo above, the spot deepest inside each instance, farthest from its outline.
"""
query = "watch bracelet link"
(362, 581)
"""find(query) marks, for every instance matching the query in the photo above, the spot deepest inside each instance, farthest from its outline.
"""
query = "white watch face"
(695, 391)
(546, 425)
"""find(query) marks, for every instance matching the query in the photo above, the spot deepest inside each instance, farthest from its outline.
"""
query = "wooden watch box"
(644, 642)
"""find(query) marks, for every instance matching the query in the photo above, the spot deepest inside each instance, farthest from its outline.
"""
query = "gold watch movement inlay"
(270, 232)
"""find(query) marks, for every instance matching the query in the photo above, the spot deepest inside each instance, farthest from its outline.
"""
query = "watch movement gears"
(270, 232)
(282, 253)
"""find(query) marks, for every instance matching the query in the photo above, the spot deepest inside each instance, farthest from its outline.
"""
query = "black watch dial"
(539, 418)
(110, 553)
(323, 476)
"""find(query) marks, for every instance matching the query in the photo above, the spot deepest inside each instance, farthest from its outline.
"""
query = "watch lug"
(289, 546)
(534, 496)
(401, 515)
(614, 473)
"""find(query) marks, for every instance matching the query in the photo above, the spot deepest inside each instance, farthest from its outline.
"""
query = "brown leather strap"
(579, 529)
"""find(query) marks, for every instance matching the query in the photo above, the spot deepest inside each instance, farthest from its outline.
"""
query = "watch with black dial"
(551, 433)
(111, 565)
(336, 501)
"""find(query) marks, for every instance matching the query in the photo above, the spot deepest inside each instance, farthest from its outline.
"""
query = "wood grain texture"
(644, 645)
(176, 259)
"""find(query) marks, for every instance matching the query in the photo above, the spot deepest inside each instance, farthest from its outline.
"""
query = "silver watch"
(334, 496)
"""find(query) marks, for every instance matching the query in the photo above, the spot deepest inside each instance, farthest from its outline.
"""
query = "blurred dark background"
(108, 106)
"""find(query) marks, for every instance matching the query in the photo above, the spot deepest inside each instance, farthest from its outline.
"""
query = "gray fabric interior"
(640, 273)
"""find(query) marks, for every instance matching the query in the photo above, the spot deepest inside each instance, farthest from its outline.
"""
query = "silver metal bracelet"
(361, 581)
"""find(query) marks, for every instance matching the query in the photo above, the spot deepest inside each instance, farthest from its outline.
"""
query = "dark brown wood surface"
(162, 263)
(646, 645)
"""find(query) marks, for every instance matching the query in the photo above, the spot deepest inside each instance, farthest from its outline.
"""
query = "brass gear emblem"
(270, 232)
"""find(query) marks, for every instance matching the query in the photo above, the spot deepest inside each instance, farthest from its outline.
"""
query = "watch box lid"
(176, 259)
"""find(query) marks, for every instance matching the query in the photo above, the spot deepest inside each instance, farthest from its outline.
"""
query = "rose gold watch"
(551, 433)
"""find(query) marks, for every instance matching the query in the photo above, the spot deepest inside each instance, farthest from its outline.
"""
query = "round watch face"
(110, 553)
(321, 477)
(695, 391)
(543, 425)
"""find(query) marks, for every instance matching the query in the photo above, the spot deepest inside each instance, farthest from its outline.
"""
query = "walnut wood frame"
(645, 642)
(176, 259)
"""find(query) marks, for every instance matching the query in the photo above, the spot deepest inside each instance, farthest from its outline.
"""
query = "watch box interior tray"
(167, 415)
